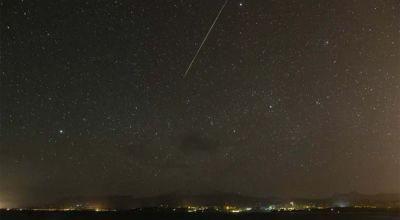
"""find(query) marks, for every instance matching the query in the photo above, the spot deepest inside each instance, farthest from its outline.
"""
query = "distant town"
(279, 207)
(219, 203)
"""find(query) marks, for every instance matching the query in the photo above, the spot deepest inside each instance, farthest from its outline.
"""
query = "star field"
(286, 98)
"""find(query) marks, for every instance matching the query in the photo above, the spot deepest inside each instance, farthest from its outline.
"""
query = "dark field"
(41, 215)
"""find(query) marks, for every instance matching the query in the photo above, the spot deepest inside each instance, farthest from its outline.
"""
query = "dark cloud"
(194, 143)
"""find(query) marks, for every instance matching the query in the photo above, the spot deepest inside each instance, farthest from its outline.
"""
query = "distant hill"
(355, 198)
(218, 199)
(171, 200)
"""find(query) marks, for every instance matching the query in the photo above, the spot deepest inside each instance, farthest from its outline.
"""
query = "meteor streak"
(205, 39)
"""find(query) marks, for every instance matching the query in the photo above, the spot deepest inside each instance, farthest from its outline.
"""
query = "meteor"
(205, 39)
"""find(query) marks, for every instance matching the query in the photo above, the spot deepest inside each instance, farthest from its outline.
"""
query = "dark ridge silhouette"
(218, 199)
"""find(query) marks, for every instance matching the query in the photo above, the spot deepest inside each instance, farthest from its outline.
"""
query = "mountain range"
(221, 199)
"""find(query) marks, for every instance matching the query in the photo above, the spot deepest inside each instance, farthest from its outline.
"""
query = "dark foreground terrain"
(126, 215)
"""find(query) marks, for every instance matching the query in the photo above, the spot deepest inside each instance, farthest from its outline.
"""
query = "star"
(61, 131)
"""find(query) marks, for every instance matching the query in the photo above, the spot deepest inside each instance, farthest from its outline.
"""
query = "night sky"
(286, 98)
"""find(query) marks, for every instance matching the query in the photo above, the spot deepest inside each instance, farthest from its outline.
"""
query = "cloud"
(192, 143)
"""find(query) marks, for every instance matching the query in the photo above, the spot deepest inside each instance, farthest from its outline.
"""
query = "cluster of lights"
(291, 206)
(233, 209)
(197, 208)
